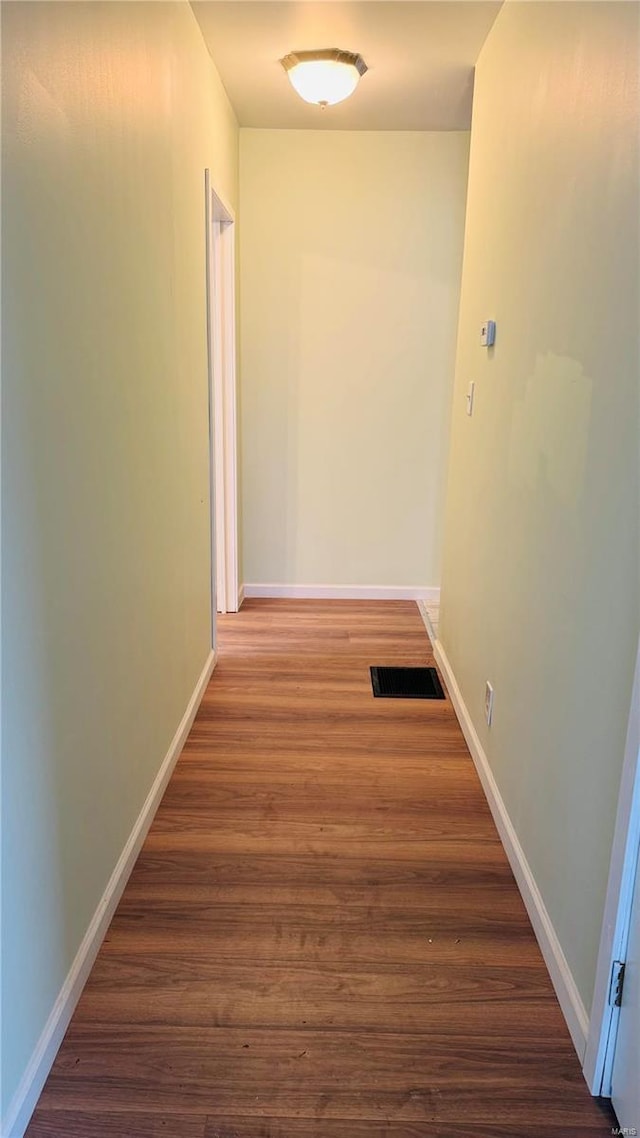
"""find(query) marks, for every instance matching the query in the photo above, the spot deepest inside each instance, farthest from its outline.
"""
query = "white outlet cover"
(488, 703)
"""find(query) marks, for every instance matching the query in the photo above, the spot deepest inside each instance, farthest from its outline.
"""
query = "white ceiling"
(420, 54)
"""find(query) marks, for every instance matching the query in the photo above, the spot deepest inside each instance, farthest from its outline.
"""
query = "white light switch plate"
(470, 394)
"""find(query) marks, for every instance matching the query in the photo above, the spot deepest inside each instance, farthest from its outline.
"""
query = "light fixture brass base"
(334, 54)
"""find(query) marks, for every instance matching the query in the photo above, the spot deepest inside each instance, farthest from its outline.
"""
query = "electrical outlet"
(488, 703)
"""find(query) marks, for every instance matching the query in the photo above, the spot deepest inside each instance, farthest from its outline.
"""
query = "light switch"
(470, 398)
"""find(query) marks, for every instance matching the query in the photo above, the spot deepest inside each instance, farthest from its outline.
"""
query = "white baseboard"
(28, 1092)
(569, 998)
(241, 595)
(345, 592)
(426, 620)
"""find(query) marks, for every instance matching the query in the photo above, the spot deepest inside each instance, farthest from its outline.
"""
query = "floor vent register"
(406, 683)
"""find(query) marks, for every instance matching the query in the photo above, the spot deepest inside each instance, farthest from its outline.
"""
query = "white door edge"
(598, 1061)
(221, 341)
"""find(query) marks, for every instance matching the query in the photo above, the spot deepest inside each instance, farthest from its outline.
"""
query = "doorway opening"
(221, 343)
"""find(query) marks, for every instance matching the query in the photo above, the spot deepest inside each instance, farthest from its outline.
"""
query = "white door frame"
(603, 1023)
(221, 342)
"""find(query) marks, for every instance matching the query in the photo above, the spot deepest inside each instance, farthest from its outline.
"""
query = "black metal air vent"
(406, 683)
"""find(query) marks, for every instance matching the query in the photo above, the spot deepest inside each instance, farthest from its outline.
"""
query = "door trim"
(598, 1061)
(221, 351)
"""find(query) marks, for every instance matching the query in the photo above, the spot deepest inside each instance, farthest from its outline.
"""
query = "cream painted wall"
(351, 246)
(110, 114)
(541, 586)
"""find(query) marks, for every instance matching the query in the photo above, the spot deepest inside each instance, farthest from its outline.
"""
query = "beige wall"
(540, 582)
(110, 114)
(351, 248)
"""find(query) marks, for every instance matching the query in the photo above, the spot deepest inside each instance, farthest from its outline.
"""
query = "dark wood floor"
(322, 937)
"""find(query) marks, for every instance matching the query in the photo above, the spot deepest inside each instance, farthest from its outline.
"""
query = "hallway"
(322, 937)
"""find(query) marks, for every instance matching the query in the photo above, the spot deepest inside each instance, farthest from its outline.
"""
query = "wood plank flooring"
(322, 937)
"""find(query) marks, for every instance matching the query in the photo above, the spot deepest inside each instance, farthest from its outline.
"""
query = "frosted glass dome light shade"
(324, 77)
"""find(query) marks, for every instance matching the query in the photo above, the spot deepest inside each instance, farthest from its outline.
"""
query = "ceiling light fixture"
(326, 76)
